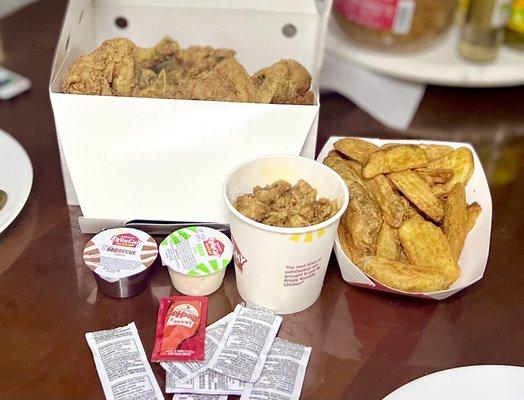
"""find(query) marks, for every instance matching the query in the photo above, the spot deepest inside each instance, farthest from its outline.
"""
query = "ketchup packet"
(180, 329)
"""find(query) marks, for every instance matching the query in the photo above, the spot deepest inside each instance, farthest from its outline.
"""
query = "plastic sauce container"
(120, 259)
(196, 258)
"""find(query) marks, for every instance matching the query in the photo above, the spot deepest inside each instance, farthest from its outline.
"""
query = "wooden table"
(365, 343)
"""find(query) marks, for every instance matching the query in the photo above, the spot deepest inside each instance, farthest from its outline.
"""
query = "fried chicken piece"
(252, 207)
(152, 57)
(281, 204)
(110, 70)
(157, 87)
(118, 68)
(227, 81)
(285, 82)
(195, 60)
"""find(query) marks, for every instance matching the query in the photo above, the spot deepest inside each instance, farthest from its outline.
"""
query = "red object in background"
(180, 329)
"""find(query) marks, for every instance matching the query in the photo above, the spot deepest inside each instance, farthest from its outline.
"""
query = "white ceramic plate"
(16, 178)
(440, 64)
(478, 382)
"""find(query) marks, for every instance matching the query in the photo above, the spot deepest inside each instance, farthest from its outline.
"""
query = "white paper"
(391, 101)
(283, 373)
(206, 382)
(198, 397)
(178, 372)
(122, 364)
(245, 344)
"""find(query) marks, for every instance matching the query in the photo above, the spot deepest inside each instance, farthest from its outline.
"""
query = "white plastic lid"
(196, 251)
(119, 253)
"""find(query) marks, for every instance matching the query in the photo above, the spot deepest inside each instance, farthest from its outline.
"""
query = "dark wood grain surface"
(365, 343)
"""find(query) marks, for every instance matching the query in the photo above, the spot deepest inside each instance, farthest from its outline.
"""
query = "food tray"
(474, 256)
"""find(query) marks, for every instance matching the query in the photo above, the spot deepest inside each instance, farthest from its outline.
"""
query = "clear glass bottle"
(483, 31)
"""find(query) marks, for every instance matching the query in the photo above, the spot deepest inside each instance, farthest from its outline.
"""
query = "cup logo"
(214, 247)
(239, 259)
(183, 314)
(125, 240)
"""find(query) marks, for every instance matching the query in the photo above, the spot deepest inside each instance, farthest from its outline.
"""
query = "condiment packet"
(245, 344)
(122, 364)
(180, 329)
(283, 373)
(206, 382)
(198, 397)
(184, 371)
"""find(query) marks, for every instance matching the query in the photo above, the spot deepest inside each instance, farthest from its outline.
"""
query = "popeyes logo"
(183, 314)
(125, 240)
(214, 247)
(239, 259)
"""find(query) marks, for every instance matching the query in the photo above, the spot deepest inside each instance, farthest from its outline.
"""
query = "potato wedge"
(362, 219)
(425, 244)
(440, 190)
(460, 161)
(390, 202)
(455, 222)
(356, 149)
(388, 242)
(418, 192)
(434, 151)
(394, 159)
(404, 276)
(473, 211)
(435, 175)
(345, 168)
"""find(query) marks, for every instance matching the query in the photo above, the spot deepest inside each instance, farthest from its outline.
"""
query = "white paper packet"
(178, 372)
(206, 382)
(122, 365)
(198, 397)
(245, 344)
(283, 373)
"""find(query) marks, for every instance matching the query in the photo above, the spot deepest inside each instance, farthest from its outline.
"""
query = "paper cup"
(282, 269)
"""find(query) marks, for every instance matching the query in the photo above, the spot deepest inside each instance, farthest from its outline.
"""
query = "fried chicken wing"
(285, 82)
(195, 60)
(227, 81)
(110, 70)
(163, 51)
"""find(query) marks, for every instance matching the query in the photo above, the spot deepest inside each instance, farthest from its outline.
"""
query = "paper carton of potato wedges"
(419, 218)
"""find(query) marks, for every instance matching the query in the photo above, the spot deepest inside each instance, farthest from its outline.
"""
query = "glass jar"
(394, 25)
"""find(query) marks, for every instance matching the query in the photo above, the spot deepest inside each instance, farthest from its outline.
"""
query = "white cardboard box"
(162, 159)
(474, 256)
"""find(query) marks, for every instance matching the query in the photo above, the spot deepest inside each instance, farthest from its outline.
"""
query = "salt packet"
(178, 372)
(122, 364)
(198, 397)
(206, 382)
(243, 349)
(283, 374)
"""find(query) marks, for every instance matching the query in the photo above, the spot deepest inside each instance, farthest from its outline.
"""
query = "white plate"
(16, 178)
(440, 64)
(478, 382)
(474, 257)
